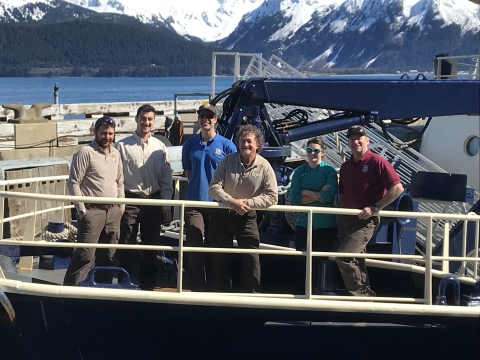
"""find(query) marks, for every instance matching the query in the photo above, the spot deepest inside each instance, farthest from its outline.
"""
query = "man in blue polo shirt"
(200, 157)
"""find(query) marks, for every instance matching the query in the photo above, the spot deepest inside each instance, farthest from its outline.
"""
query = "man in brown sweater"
(243, 180)
(97, 171)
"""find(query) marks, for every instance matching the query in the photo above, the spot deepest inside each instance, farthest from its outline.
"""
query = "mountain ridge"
(352, 33)
(311, 35)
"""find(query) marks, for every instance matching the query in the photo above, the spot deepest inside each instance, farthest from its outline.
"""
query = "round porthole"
(472, 145)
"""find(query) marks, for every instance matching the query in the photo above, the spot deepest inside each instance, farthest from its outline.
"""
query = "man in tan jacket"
(243, 181)
(97, 171)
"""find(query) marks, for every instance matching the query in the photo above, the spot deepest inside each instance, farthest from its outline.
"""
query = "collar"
(209, 141)
(319, 165)
(252, 165)
(139, 140)
(363, 158)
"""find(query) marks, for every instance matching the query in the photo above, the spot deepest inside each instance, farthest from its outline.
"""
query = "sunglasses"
(206, 116)
(105, 120)
(313, 150)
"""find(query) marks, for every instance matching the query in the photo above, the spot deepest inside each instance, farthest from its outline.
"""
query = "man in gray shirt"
(244, 181)
(148, 175)
(97, 171)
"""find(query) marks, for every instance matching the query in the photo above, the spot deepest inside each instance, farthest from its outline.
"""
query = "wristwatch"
(375, 209)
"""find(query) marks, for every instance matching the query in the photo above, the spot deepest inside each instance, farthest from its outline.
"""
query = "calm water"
(93, 90)
(74, 90)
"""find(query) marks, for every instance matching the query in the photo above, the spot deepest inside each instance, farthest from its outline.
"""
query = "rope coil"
(69, 232)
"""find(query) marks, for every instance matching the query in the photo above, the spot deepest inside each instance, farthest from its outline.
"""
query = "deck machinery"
(354, 101)
(348, 102)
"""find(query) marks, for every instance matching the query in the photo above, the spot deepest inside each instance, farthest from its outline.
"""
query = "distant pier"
(74, 125)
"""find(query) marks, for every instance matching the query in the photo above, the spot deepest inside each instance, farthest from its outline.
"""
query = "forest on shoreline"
(95, 49)
(82, 48)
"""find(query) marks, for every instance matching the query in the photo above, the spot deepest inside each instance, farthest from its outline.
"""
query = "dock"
(63, 128)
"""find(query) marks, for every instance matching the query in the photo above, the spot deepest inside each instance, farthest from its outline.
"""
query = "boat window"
(472, 145)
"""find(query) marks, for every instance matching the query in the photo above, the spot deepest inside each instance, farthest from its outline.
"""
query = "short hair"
(245, 129)
(318, 141)
(145, 109)
(106, 121)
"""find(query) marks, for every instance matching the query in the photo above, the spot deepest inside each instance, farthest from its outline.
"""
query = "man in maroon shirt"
(367, 182)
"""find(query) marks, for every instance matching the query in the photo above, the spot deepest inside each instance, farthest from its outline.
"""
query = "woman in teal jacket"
(315, 184)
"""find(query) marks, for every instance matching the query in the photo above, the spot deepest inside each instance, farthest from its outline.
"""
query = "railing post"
(2, 211)
(58, 215)
(180, 250)
(214, 75)
(31, 207)
(464, 248)
(475, 249)
(176, 196)
(427, 294)
(175, 97)
(26, 262)
(446, 246)
(236, 67)
(308, 263)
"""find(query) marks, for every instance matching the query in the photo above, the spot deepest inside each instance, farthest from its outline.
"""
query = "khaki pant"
(96, 226)
(354, 235)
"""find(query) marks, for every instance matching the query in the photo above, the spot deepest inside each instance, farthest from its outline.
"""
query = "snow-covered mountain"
(213, 20)
(308, 33)
(314, 35)
(207, 20)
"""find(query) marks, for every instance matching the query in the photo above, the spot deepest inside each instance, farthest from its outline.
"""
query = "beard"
(103, 143)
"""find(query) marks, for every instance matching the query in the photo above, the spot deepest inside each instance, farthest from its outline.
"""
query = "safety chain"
(283, 189)
(173, 225)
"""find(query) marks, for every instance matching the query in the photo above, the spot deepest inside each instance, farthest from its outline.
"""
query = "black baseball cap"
(356, 129)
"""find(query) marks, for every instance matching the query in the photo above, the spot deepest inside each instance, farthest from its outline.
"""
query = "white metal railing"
(464, 65)
(32, 198)
(411, 161)
(61, 111)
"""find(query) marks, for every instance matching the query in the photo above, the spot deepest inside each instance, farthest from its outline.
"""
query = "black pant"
(196, 228)
(149, 218)
(322, 240)
(224, 225)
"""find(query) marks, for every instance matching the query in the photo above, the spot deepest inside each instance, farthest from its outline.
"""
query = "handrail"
(472, 68)
(33, 197)
(191, 203)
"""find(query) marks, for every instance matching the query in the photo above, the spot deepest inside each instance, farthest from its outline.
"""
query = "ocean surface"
(30, 90)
